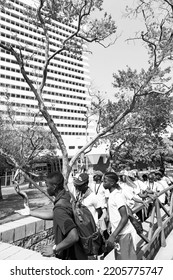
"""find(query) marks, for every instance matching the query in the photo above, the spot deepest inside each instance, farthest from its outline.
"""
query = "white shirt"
(100, 191)
(157, 186)
(129, 193)
(117, 200)
(140, 185)
(92, 203)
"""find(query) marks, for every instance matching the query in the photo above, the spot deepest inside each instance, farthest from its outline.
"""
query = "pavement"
(166, 253)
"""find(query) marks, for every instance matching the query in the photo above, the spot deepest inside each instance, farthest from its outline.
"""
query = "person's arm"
(71, 238)
(124, 219)
(42, 214)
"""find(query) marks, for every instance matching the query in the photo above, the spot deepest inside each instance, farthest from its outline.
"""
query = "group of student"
(108, 198)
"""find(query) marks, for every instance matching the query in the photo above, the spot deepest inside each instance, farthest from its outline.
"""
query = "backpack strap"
(96, 191)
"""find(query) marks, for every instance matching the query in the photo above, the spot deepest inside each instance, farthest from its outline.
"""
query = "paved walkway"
(166, 253)
(12, 252)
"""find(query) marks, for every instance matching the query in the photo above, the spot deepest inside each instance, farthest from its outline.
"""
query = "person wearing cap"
(121, 238)
(87, 196)
(67, 246)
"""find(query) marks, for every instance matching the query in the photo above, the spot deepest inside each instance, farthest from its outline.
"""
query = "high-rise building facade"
(66, 90)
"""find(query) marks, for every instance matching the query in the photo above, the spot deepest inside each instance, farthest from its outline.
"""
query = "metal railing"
(157, 226)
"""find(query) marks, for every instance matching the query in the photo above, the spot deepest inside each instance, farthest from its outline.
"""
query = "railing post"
(171, 202)
(160, 224)
(150, 232)
(6, 179)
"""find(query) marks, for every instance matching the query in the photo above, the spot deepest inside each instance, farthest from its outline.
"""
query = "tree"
(97, 30)
(87, 30)
(139, 138)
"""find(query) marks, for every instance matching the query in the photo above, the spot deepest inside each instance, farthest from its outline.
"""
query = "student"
(67, 246)
(154, 186)
(121, 237)
(87, 196)
(162, 186)
(103, 195)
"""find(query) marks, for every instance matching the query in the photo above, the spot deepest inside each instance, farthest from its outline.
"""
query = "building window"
(71, 147)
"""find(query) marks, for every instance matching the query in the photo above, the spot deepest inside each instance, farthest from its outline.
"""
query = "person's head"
(162, 170)
(81, 182)
(132, 175)
(122, 176)
(158, 175)
(110, 180)
(151, 177)
(54, 183)
(97, 177)
(145, 177)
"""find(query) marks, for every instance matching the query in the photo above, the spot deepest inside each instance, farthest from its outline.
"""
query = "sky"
(104, 62)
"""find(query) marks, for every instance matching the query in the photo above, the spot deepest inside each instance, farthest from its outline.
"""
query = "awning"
(97, 152)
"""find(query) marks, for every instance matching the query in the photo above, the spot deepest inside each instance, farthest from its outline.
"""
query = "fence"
(156, 227)
(6, 180)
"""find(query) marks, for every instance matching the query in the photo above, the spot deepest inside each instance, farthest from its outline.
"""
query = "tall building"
(65, 93)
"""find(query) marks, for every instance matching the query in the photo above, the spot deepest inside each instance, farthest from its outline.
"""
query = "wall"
(29, 232)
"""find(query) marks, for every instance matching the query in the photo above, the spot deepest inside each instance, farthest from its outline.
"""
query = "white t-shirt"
(117, 200)
(92, 202)
(164, 183)
(129, 193)
(157, 186)
(140, 185)
(100, 191)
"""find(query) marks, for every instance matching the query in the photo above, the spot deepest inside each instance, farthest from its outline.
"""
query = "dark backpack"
(91, 239)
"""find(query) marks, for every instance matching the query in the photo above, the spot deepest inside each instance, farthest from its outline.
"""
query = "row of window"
(64, 88)
(8, 86)
(31, 114)
(12, 61)
(64, 102)
(45, 99)
(65, 81)
(42, 60)
(45, 125)
(13, 78)
(73, 147)
(48, 77)
(47, 84)
(52, 108)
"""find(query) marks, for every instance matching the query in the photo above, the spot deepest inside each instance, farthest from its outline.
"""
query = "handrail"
(161, 215)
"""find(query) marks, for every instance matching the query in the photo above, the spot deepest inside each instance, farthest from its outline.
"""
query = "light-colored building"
(66, 91)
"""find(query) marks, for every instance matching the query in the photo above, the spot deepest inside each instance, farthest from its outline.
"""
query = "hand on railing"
(145, 203)
(152, 196)
(23, 212)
